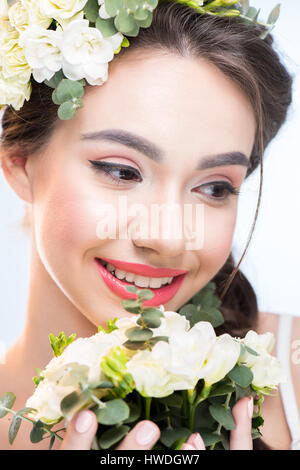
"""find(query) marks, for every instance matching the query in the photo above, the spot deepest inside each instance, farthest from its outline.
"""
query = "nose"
(161, 233)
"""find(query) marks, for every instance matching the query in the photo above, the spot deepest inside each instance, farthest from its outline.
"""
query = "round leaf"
(241, 375)
(150, 319)
(126, 21)
(7, 400)
(115, 412)
(113, 6)
(145, 294)
(91, 10)
(66, 111)
(36, 434)
(135, 345)
(170, 435)
(112, 436)
(14, 428)
(141, 14)
(138, 334)
(222, 415)
(68, 89)
(106, 26)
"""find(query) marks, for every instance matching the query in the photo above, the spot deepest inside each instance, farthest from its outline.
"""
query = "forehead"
(171, 99)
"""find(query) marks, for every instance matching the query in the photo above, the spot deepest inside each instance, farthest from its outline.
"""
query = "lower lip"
(161, 295)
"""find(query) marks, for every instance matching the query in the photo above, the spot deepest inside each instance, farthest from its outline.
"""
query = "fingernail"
(198, 441)
(250, 407)
(83, 421)
(146, 433)
(187, 447)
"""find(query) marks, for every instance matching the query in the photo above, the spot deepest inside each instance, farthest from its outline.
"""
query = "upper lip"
(143, 269)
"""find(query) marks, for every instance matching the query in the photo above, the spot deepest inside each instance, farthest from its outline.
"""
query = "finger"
(143, 436)
(80, 431)
(240, 437)
(194, 442)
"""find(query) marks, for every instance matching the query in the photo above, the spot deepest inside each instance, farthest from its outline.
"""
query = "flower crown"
(66, 43)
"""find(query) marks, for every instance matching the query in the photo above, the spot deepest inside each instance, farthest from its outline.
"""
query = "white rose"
(102, 10)
(86, 52)
(14, 93)
(267, 372)
(42, 51)
(15, 66)
(61, 9)
(46, 400)
(27, 12)
(221, 360)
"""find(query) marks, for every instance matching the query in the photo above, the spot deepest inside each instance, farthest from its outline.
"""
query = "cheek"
(218, 235)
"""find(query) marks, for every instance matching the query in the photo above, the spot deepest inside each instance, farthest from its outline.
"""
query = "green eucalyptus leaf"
(145, 294)
(114, 412)
(241, 375)
(138, 334)
(54, 97)
(73, 402)
(7, 400)
(222, 415)
(112, 436)
(112, 6)
(223, 389)
(55, 80)
(91, 10)
(141, 14)
(257, 421)
(135, 412)
(106, 26)
(212, 315)
(37, 433)
(69, 89)
(241, 392)
(66, 111)
(188, 310)
(14, 428)
(126, 21)
(169, 436)
(251, 351)
(104, 384)
(252, 13)
(151, 319)
(52, 440)
(145, 23)
(133, 32)
(155, 339)
(153, 3)
(131, 305)
(132, 289)
(209, 437)
(135, 345)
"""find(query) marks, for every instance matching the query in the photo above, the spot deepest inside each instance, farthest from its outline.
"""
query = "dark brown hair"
(238, 51)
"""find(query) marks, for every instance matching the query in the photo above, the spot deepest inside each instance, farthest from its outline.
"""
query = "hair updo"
(238, 51)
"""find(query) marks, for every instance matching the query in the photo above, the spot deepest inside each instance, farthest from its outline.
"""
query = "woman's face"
(189, 112)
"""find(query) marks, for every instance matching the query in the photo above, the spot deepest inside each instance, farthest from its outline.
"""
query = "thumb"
(80, 432)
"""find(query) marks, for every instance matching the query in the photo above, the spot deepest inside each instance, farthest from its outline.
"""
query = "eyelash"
(109, 168)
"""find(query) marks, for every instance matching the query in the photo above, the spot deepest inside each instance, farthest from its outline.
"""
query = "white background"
(272, 260)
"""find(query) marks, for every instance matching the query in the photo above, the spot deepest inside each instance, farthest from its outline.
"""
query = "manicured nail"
(146, 433)
(83, 421)
(198, 442)
(250, 407)
(187, 447)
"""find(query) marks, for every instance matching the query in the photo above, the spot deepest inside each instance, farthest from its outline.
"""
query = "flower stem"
(191, 417)
(184, 404)
(147, 407)
(218, 430)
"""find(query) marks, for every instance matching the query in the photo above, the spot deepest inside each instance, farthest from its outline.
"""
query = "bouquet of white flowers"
(161, 365)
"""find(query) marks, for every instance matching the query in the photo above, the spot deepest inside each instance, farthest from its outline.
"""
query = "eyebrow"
(151, 150)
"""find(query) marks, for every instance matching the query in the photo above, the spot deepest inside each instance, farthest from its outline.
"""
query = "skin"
(188, 119)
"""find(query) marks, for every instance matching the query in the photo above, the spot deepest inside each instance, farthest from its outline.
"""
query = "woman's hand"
(240, 437)
(83, 427)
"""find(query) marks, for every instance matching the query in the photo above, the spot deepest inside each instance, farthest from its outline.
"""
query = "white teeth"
(140, 281)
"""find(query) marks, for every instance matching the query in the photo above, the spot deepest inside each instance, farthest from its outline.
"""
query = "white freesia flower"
(102, 10)
(266, 369)
(61, 9)
(223, 357)
(46, 400)
(27, 12)
(86, 52)
(42, 51)
(267, 372)
(171, 322)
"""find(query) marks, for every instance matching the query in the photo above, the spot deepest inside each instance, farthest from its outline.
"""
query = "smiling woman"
(183, 119)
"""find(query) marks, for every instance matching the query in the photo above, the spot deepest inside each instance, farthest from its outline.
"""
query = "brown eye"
(219, 188)
(117, 172)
